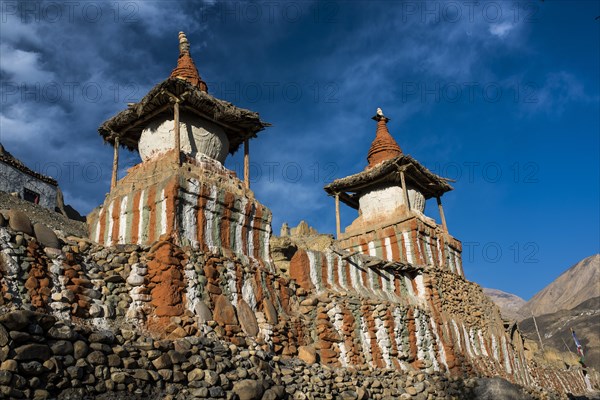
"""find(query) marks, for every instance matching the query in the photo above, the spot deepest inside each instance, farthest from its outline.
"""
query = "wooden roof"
(417, 176)
(239, 124)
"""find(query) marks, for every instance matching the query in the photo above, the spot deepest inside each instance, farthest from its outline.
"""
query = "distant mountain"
(574, 286)
(508, 303)
(555, 330)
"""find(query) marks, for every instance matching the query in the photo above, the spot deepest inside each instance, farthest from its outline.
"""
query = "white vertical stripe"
(123, 220)
(428, 250)
(313, 270)
(467, 341)
(409, 250)
(100, 216)
(372, 251)
(240, 224)
(457, 332)
(440, 345)
(459, 269)
(420, 286)
(342, 272)
(209, 215)
(110, 224)
(482, 343)
(353, 274)
(329, 257)
(383, 341)
(141, 204)
(266, 242)
(250, 232)
(388, 249)
(506, 355)
(163, 218)
(188, 215)
(409, 286)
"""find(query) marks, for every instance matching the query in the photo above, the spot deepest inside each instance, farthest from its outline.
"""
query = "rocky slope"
(574, 286)
(508, 303)
(555, 330)
(39, 214)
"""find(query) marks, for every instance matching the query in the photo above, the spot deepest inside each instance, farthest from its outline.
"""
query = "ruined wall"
(15, 180)
(412, 240)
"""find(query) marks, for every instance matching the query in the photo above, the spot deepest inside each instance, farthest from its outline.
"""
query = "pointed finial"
(184, 45)
(383, 147)
(186, 69)
(379, 116)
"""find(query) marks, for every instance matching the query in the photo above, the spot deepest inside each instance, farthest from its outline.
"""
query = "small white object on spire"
(379, 112)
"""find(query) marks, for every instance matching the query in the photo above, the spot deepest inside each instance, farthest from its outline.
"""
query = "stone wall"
(14, 180)
(42, 357)
(166, 293)
(188, 203)
(413, 240)
(424, 319)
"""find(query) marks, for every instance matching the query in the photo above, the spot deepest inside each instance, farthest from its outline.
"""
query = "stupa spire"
(383, 147)
(186, 69)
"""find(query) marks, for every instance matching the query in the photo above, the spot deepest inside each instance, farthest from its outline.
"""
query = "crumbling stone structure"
(16, 177)
(174, 293)
(181, 188)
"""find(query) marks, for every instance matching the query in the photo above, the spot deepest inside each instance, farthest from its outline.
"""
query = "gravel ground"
(48, 217)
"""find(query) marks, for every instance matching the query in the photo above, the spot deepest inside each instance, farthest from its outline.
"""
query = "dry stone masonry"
(181, 291)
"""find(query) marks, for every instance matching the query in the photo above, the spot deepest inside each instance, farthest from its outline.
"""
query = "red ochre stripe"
(201, 218)
(256, 231)
(135, 220)
(151, 204)
(115, 215)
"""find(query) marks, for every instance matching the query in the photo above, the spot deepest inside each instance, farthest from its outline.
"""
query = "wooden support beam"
(247, 163)
(338, 228)
(404, 189)
(177, 133)
(442, 216)
(113, 181)
(350, 255)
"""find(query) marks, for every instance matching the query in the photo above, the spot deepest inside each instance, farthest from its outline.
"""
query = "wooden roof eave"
(193, 98)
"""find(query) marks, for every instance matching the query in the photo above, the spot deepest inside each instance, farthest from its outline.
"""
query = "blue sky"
(503, 97)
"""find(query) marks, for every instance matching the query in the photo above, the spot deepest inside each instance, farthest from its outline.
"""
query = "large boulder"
(34, 351)
(247, 318)
(248, 389)
(17, 320)
(19, 222)
(46, 236)
(308, 354)
(270, 312)
(224, 313)
(203, 312)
